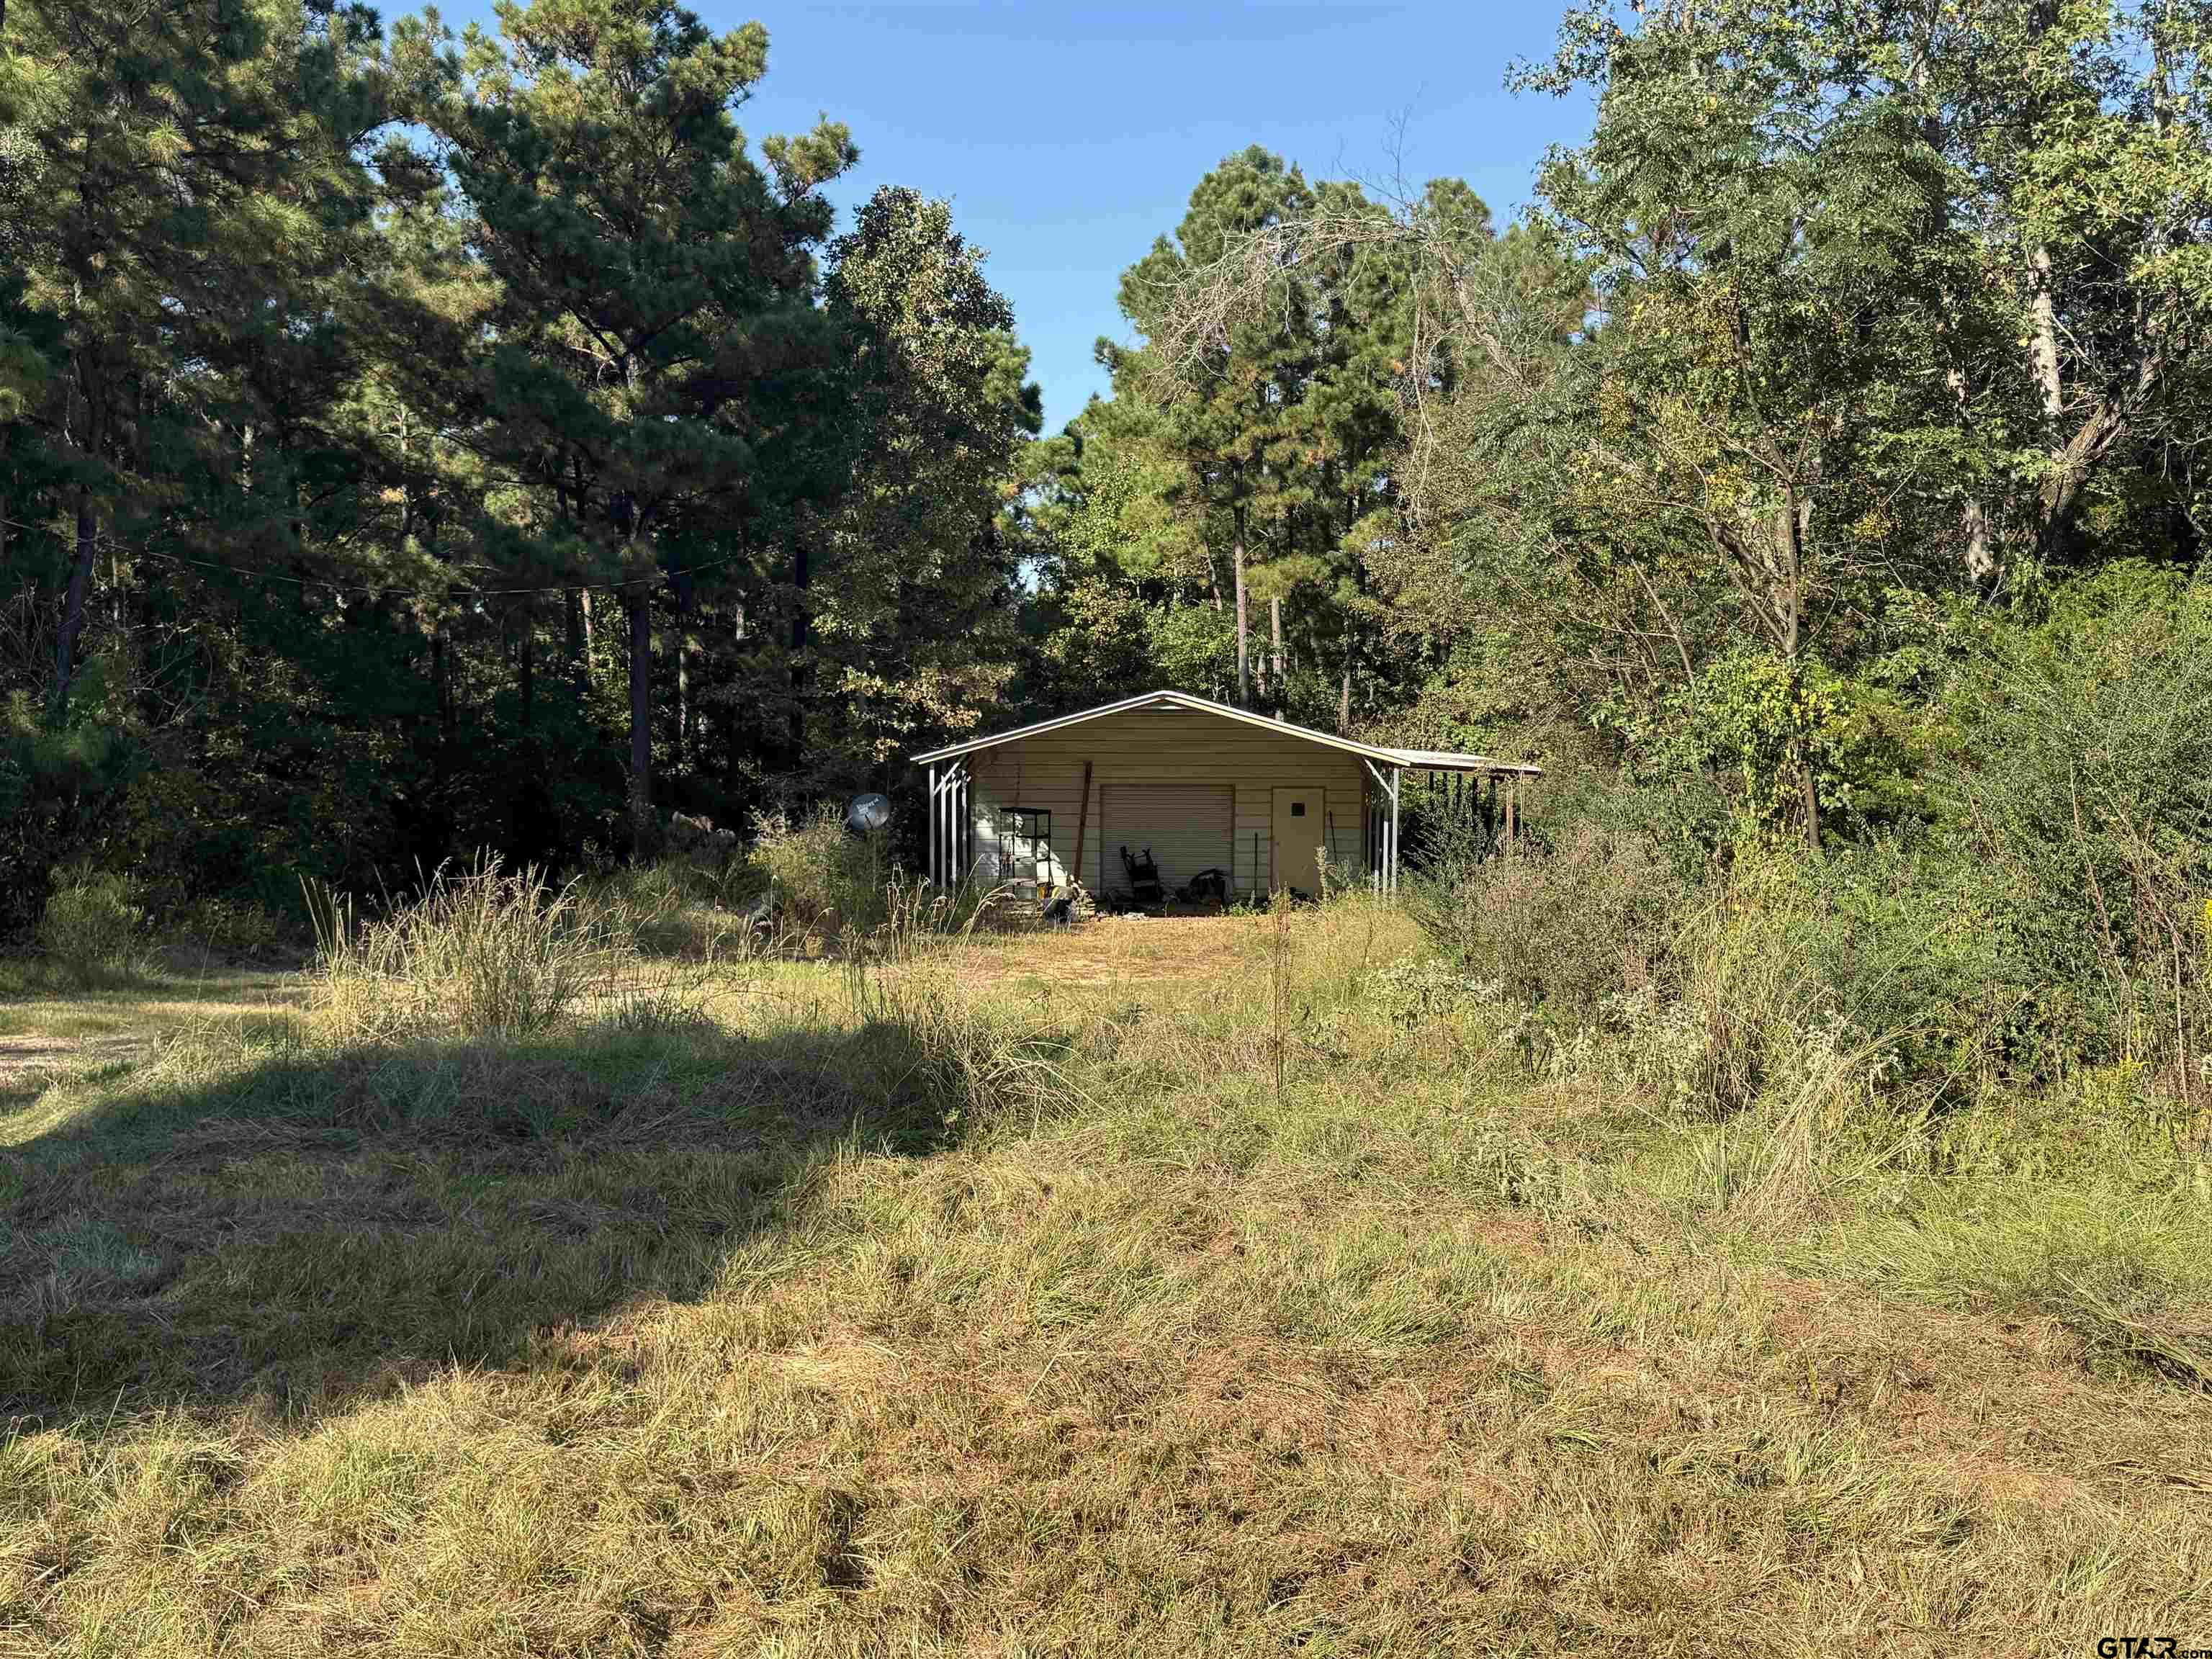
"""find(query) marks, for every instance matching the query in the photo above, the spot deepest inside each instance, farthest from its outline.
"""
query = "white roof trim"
(1436, 760)
(1447, 760)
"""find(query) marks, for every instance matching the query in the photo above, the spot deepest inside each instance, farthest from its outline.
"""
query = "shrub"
(2080, 817)
(93, 925)
(57, 786)
(1567, 923)
(1908, 946)
(821, 878)
(807, 879)
(672, 907)
(230, 926)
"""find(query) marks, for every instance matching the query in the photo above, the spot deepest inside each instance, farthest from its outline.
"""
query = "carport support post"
(951, 834)
(948, 837)
(930, 863)
(948, 796)
(1385, 877)
(1375, 835)
(1397, 776)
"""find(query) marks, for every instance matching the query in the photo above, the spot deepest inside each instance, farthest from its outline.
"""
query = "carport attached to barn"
(1203, 786)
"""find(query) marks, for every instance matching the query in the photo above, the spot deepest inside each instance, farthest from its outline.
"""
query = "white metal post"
(962, 830)
(1397, 775)
(1382, 829)
(929, 860)
(1389, 843)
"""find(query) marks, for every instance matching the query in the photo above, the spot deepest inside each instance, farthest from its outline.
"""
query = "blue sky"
(1067, 137)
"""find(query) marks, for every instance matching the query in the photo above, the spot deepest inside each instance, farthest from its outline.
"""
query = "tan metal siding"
(1184, 747)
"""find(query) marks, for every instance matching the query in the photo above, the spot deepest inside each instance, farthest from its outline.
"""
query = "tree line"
(1851, 335)
(418, 441)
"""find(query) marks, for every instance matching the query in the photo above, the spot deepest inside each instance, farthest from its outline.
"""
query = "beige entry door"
(1297, 838)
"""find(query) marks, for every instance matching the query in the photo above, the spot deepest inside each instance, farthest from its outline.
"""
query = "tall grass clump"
(1715, 979)
(821, 878)
(480, 953)
(917, 918)
(1748, 979)
(821, 881)
(672, 907)
(970, 1064)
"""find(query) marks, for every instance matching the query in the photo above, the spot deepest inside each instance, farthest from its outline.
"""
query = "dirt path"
(47, 1031)
(26, 1057)
(1115, 950)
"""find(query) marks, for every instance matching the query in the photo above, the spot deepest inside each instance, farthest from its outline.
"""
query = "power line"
(113, 544)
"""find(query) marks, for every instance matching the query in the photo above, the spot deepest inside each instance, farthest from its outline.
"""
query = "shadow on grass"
(271, 1222)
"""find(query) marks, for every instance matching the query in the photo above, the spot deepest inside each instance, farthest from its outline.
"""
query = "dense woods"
(419, 443)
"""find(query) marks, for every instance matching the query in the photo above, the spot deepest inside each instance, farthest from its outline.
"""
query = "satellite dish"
(866, 814)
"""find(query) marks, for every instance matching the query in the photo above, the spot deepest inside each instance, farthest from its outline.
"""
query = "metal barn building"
(1200, 784)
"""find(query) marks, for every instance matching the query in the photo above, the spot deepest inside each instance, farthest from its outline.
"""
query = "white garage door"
(1188, 826)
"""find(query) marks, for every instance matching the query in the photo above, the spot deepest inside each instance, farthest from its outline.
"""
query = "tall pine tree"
(656, 345)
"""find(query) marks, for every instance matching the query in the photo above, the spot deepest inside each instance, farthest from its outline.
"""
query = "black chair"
(1144, 874)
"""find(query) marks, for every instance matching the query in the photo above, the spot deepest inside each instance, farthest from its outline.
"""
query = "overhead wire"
(112, 544)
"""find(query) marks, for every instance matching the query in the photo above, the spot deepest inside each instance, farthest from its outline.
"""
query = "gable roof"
(1433, 760)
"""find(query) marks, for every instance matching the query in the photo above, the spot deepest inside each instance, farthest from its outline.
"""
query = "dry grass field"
(1167, 1287)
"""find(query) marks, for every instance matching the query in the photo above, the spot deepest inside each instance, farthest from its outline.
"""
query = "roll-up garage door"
(1188, 826)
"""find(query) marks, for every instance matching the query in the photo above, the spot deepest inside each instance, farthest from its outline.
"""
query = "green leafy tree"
(1119, 551)
(1352, 305)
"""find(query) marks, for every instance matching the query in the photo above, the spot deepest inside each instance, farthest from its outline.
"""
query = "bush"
(58, 787)
(1762, 973)
(227, 924)
(1908, 945)
(93, 925)
(1568, 924)
(2079, 819)
(798, 880)
(672, 907)
(821, 878)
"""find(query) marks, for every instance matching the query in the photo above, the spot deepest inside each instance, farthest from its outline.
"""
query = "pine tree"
(186, 185)
(1231, 417)
(654, 354)
(921, 554)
